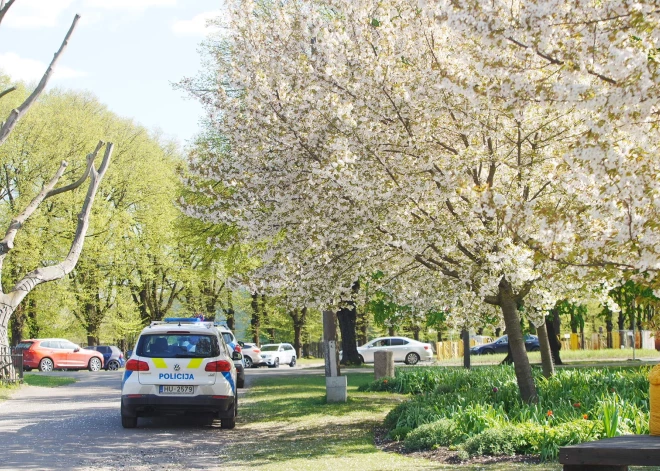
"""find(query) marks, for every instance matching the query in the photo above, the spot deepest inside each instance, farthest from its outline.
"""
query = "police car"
(234, 346)
(180, 365)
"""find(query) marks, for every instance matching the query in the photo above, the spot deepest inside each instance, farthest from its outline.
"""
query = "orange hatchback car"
(50, 354)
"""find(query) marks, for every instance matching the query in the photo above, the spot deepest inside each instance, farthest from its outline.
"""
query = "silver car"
(403, 349)
(251, 354)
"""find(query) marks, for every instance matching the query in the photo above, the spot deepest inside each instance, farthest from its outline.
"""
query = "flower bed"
(479, 411)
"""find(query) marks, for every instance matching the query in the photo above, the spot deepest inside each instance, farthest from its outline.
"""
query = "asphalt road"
(78, 427)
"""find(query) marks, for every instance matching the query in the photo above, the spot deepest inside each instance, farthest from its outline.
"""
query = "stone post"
(335, 385)
(383, 364)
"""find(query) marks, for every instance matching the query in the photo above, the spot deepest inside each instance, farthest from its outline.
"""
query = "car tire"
(46, 365)
(127, 421)
(276, 363)
(248, 361)
(230, 422)
(293, 362)
(94, 364)
(535, 349)
(113, 365)
(412, 358)
(488, 351)
(27, 368)
(361, 359)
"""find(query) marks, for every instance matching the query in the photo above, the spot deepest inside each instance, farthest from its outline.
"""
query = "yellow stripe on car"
(159, 362)
(195, 363)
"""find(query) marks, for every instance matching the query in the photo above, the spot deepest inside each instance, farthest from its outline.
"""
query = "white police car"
(180, 365)
(234, 346)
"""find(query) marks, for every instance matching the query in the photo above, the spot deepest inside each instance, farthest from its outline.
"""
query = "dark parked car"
(113, 358)
(501, 345)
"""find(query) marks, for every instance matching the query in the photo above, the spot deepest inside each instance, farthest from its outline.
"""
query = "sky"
(126, 52)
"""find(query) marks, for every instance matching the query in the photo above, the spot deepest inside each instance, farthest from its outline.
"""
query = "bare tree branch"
(9, 90)
(50, 273)
(16, 114)
(4, 7)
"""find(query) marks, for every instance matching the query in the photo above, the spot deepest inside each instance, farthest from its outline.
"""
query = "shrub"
(411, 414)
(507, 440)
(399, 433)
(443, 432)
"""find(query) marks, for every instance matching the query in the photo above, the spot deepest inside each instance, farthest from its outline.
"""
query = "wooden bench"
(612, 454)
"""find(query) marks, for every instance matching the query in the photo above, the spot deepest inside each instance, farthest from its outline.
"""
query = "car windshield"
(270, 348)
(172, 345)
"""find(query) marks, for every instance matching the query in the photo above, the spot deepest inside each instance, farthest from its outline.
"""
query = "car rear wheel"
(128, 421)
(293, 362)
(276, 363)
(94, 364)
(361, 359)
(46, 364)
(248, 361)
(230, 423)
(412, 358)
(488, 351)
(113, 365)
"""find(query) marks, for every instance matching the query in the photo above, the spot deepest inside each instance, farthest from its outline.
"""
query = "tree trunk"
(347, 319)
(297, 334)
(231, 321)
(255, 321)
(439, 335)
(390, 331)
(416, 330)
(498, 332)
(17, 324)
(546, 353)
(33, 324)
(553, 332)
(516, 342)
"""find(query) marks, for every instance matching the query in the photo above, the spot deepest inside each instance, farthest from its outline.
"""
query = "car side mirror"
(76, 350)
(236, 356)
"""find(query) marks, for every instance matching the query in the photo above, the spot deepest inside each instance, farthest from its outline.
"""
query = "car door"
(378, 346)
(399, 348)
(75, 359)
(59, 354)
(502, 345)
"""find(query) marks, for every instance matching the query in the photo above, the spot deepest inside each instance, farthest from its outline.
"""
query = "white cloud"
(30, 70)
(129, 5)
(197, 26)
(32, 14)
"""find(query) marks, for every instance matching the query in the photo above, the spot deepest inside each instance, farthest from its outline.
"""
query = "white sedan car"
(403, 349)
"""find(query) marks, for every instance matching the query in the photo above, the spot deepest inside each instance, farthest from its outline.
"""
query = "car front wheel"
(412, 358)
(113, 365)
(46, 364)
(94, 364)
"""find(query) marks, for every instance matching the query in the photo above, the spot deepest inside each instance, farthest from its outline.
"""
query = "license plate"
(177, 389)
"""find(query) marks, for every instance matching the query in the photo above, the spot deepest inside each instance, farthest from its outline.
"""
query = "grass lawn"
(291, 427)
(568, 356)
(46, 380)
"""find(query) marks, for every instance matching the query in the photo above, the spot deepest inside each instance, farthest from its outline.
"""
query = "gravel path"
(77, 427)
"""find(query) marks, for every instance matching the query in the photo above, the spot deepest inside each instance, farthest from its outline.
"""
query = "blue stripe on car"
(228, 377)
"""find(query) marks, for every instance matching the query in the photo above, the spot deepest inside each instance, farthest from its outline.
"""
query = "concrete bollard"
(336, 389)
(383, 365)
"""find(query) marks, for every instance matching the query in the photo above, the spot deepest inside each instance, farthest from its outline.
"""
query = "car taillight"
(426, 347)
(137, 365)
(221, 365)
(121, 356)
(256, 350)
(237, 348)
